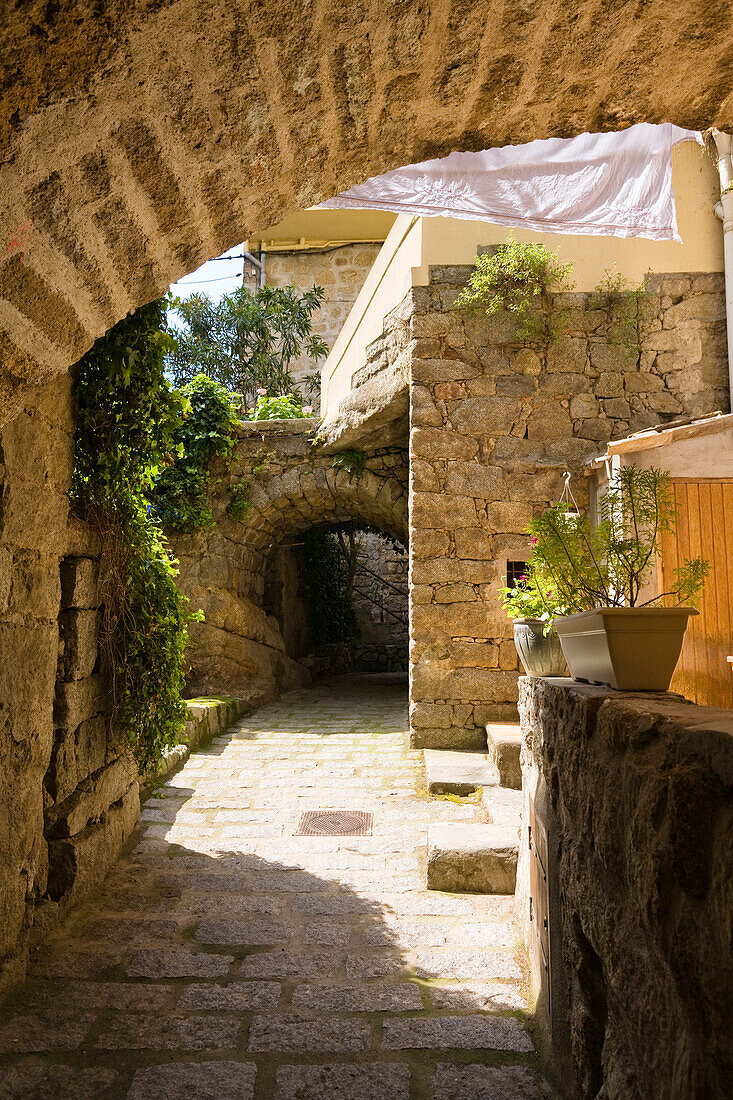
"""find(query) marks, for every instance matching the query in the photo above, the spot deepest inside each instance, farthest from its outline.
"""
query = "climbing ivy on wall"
(128, 424)
(179, 494)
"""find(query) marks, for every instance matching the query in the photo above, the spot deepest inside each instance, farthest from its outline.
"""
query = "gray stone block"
(79, 631)
(204, 1080)
(474, 858)
(469, 1032)
(459, 773)
(79, 583)
(78, 700)
(504, 744)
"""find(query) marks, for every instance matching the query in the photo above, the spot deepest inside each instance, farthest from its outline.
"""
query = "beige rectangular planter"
(630, 648)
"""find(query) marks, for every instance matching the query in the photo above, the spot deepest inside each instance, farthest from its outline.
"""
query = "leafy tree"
(248, 339)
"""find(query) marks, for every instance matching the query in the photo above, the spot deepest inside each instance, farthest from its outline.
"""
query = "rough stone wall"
(341, 271)
(292, 486)
(376, 410)
(141, 138)
(68, 797)
(493, 427)
(640, 821)
(380, 591)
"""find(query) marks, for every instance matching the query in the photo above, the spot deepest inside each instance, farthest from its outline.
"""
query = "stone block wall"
(635, 797)
(91, 785)
(380, 592)
(68, 795)
(494, 425)
(341, 271)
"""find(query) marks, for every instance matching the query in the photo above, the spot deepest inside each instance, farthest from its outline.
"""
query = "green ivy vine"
(128, 422)
(180, 492)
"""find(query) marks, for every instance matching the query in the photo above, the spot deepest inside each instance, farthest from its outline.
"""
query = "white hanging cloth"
(616, 184)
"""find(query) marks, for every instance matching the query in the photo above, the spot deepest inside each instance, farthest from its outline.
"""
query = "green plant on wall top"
(179, 495)
(608, 564)
(519, 278)
(353, 461)
(127, 424)
(286, 406)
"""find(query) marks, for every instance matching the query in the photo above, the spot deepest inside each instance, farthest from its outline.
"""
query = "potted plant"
(616, 633)
(533, 607)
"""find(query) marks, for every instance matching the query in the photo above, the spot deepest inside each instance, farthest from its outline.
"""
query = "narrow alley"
(229, 956)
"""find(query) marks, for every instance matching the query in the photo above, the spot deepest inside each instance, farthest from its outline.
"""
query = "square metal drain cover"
(334, 823)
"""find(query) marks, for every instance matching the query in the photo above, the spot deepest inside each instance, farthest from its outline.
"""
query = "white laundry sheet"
(616, 184)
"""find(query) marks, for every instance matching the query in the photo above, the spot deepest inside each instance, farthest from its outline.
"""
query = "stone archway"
(143, 138)
(291, 487)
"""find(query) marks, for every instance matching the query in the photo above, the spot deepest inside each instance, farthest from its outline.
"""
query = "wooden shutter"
(704, 529)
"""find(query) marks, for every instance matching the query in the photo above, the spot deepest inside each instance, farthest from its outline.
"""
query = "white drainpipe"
(724, 210)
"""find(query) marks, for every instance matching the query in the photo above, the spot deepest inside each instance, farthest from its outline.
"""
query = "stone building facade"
(494, 426)
(341, 270)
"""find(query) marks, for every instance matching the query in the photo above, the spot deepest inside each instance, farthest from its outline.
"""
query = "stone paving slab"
(225, 957)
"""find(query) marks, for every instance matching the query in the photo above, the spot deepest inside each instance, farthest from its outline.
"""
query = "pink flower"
(262, 393)
(307, 409)
(533, 542)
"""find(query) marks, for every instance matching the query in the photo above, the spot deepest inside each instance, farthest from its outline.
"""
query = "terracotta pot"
(630, 648)
(540, 653)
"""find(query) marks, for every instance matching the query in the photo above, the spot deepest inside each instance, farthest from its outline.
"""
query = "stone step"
(448, 772)
(478, 859)
(504, 742)
(503, 806)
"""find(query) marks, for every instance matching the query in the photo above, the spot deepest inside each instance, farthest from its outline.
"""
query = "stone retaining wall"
(634, 796)
(206, 718)
(493, 427)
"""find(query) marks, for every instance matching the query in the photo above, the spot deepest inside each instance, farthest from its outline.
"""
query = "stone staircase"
(477, 857)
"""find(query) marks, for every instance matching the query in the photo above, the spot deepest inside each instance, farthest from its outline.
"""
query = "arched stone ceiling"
(142, 137)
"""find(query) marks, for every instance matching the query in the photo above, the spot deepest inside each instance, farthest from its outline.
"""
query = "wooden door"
(704, 529)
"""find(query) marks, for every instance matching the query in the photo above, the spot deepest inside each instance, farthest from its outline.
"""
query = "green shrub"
(239, 501)
(353, 461)
(628, 307)
(284, 407)
(518, 278)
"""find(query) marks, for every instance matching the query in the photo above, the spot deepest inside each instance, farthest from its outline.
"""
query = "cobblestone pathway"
(227, 957)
